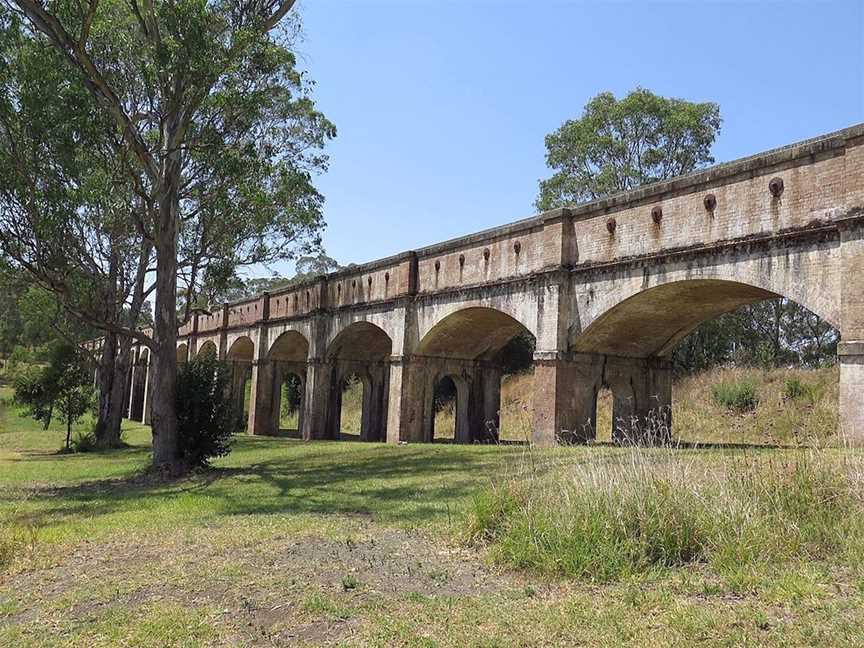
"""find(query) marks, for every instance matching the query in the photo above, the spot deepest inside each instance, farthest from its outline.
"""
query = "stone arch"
(288, 356)
(290, 346)
(361, 348)
(468, 343)
(470, 333)
(208, 350)
(652, 321)
(240, 356)
(242, 349)
(632, 332)
(462, 422)
(182, 352)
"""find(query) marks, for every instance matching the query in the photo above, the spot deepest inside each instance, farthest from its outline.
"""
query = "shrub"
(740, 396)
(797, 390)
(205, 416)
(84, 442)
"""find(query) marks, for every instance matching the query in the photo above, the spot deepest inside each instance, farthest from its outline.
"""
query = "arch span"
(468, 346)
(182, 352)
(208, 350)
(242, 349)
(470, 334)
(290, 346)
(651, 322)
(364, 349)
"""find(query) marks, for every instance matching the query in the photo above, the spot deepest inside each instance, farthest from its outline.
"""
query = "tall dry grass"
(613, 513)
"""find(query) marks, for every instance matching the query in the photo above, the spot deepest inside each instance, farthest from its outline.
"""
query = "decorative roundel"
(517, 247)
(710, 202)
(437, 266)
(657, 214)
(776, 187)
(486, 254)
(611, 224)
(461, 259)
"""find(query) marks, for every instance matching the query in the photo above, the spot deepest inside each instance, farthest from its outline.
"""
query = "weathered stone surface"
(605, 305)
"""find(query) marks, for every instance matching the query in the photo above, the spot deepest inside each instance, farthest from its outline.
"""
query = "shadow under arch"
(239, 357)
(207, 350)
(361, 349)
(468, 348)
(651, 322)
(628, 348)
(289, 354)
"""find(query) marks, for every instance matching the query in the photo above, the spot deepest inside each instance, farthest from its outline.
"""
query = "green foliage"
(618, 145)
(796, 389)
(773, 333)
(206, 419)
(63, 387)
(33, 392)
(740, 396)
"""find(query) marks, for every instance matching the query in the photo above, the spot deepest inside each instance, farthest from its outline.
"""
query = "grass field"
(342, 543)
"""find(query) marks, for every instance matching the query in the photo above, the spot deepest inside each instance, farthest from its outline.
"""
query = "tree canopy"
(617, 145)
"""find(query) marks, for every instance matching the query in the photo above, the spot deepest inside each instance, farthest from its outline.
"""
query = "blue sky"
(442, 106)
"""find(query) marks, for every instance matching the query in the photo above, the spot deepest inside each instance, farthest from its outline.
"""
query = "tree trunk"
(113, 366)
(69, 434)
(166, 454)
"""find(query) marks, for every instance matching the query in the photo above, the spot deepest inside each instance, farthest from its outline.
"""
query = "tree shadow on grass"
(408, 485)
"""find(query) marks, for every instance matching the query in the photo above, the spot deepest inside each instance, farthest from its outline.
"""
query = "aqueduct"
(606, 289)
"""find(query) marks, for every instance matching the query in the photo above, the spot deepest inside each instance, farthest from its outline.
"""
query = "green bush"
(798, 390)
(206, 420)
(740, 396)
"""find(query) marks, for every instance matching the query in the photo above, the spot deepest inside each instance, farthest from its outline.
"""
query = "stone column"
(148, 394)
(565, 396)
(642, 399)
(133, 371)
(850, 352)
(316, 399)
(850, 356)
(263, 419)
(405, 401)
(488, 379)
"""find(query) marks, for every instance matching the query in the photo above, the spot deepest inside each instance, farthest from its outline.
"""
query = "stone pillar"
(133, 370)
(405, 401)
(641, 399)
(316, 399)
(850, 356)
(148, 394)
(489, 404)
(565, 397)
(850, 352)
(238, 391)
(373, 426)
(263, 416)
(469, 406)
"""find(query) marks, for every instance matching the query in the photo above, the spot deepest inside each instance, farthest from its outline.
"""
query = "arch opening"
(667, 353)
(487, 355)
(289, 354)
(290, 406)
(359, 359)
(207, 350)
(240, 356)
(182, 352)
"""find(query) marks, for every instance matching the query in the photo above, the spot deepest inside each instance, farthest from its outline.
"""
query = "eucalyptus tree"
(66, 210)
(621, 144)
(216, 135)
